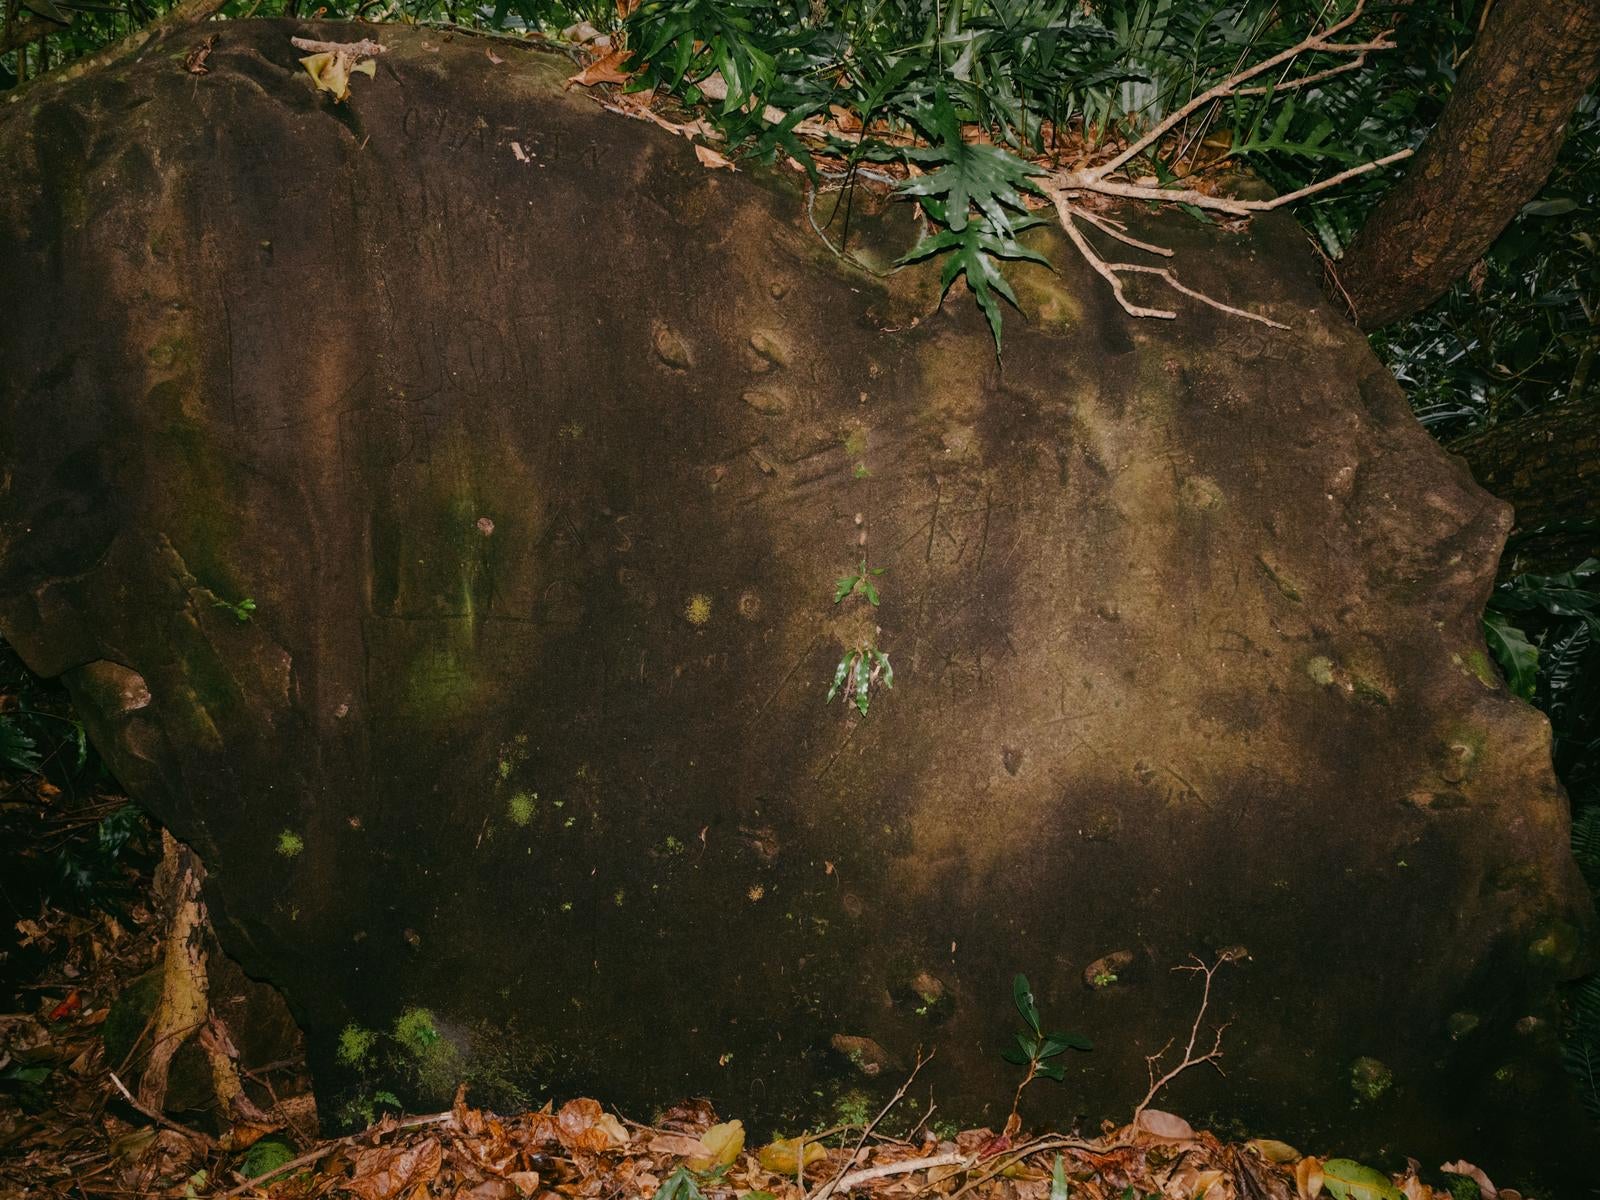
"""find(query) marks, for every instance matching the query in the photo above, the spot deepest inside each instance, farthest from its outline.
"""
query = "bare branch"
(1177, 286)
(365, 48)
(1085, 181)
(1118, 230)
(1331, 181)
(160, 1118)
(828, 1189)
(1310, 44)
(1355, 64)
(1066, 212)
(1189, 1058)
(867, 1174)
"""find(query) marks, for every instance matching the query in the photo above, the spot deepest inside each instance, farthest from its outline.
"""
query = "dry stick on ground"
(323, 1149)
(159, 1118)
(827, 1189)
(1189, 1060)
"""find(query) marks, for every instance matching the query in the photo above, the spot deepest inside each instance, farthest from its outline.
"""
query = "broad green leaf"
(838, 675)
(1055, 1043)
(967, 174)
(1058, 1180)
(17, 749)
(973, 251)
(1346, 1179)
(680, 1185)
(1517, 656)
(1022, 996)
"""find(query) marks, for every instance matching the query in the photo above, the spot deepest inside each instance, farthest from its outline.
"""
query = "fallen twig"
(204, 1139)
(904, 1167)
(827, 1189)
(323, 1149)
(1189, 1059)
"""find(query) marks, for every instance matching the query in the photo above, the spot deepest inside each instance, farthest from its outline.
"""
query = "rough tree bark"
(1547, 466)
(1491, 152)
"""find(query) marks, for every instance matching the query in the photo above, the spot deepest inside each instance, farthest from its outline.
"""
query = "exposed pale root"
(1118, 229)
(1110, 178)
(1178, 286)
(1112, 272)
(905, 1167)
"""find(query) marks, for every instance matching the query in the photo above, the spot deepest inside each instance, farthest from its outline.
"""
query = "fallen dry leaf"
(1308, 1178)
(680, 1144)
(493, 57)
(384, 1172)
(712, 159)
(608, 69)
(331, 72)
(1157, 1124)
(583, 1125)
(719, 1146)
(1272, 1150)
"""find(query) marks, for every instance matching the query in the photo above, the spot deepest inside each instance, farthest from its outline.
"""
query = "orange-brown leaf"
(385, 1172)
(609, 69)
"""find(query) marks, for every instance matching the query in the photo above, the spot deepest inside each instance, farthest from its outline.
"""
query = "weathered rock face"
(538, 449)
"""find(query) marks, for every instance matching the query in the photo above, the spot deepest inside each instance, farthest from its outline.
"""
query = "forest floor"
(72, 1123)
(102, 932)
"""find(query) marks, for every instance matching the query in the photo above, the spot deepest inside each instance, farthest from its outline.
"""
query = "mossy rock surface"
(539, 448)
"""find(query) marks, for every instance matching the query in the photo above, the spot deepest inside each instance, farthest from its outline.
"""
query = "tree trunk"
(1547, 466)
(1492, 151)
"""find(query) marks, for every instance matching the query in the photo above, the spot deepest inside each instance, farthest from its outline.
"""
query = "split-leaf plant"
(983, 112)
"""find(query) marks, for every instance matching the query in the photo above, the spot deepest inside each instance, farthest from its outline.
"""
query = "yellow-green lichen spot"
(697, 609)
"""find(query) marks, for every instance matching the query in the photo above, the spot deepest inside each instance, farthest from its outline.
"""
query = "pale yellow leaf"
(719, 1146)
(1272, 1150)
(783, 1156)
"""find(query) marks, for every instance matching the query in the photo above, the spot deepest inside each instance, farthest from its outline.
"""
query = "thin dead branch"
(161, 1119)
(1312, 43)
(1190, 1059)
(322, 1150)
(828, 1189)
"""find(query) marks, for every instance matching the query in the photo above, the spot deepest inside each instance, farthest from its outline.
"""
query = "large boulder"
(436, 500)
